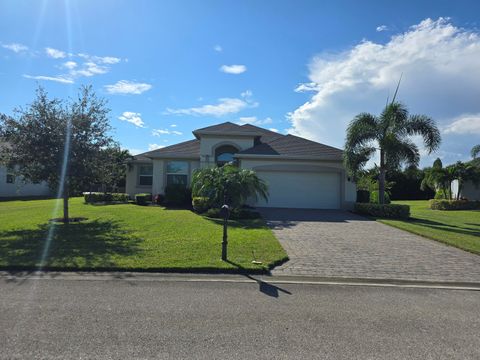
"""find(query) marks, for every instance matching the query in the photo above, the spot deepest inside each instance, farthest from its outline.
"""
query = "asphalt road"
(129, 319)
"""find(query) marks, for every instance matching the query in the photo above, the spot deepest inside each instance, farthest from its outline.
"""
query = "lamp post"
(225, 212)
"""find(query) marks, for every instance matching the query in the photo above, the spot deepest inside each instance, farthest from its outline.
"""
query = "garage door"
(315, 190)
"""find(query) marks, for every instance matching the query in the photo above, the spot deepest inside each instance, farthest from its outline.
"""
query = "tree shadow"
(446, 227)
(241, 223)
(263, 286)
(83, 245)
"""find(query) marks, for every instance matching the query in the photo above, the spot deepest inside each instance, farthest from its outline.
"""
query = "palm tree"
(439, 178)
(389, 134)
(475, 151)
(228, 183)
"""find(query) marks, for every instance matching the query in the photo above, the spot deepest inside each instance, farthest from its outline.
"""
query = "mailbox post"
(225, 212)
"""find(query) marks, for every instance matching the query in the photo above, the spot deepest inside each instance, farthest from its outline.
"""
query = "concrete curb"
(22, 276)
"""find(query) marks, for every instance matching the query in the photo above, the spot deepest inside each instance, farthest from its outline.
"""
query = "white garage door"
(320, 190)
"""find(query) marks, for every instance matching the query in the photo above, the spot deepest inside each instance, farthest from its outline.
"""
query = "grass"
(129, 237)
(459, 228)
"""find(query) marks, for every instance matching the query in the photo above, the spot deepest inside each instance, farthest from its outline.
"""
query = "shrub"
(143, 199)
(440, 194)
(159, 199)
(363, 196)
(454, 205)
(201, 204)
(235, 214)
(178, 195)
(392, 211)
(374, 197)
(100, 197)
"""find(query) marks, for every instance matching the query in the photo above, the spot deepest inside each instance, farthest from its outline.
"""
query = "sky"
(300, 67)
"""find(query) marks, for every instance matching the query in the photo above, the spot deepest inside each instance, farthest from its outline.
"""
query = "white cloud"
(173, 125)
(69, 65)
(133, 118)
(55, 53)
(464, 124)
(253, 120)
(441, 78)
(224, 106)
(60, 78)
(155, 146)
(110, 60)
(274, 130)
(233, 69)
(218, 48)
(127, 87)
(382, 28)
(160, 132)
(15, 47)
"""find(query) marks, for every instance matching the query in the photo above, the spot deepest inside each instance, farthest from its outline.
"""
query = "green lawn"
(456, 228)
(128, 237)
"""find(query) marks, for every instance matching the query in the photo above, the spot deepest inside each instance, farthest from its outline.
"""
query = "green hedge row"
(454, 205)
(235, 214)
(390, 211)
(201, 204)
(100, 197)
(143, 199)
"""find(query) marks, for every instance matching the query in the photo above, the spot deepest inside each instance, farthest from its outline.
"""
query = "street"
(75, 318)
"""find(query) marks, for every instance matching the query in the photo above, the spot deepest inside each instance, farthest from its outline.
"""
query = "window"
(10, 176)
(224, 154)
(145, 175)
(177, 173)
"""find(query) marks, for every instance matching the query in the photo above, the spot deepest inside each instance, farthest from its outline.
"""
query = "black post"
(225, 213)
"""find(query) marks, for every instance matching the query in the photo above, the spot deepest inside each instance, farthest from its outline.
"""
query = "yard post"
(225, 213)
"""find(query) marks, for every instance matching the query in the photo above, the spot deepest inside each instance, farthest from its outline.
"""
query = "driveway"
(331, 243)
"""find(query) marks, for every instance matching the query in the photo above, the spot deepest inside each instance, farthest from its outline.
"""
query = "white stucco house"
(469, 191)
(12, 186)
(300, 173)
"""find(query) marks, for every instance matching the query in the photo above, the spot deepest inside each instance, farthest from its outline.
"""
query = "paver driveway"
(330, 243)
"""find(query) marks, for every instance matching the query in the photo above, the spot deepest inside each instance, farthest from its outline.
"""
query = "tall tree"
(389, 135)
(57, 141)
(475, 151)
(439, 178)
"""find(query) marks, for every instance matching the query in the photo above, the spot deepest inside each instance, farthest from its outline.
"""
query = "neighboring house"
(11, 186)
(300, 173)
(469, 191)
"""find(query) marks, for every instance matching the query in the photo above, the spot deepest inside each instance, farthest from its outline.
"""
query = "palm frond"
(361, 130)
(475, 151)
(424, 126)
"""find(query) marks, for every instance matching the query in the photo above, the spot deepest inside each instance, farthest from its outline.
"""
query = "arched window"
(224, 154)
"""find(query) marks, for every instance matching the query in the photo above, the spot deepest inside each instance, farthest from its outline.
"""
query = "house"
(300, 173)
(11, 186)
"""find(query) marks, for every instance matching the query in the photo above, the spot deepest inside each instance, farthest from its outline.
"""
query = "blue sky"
(304, 67)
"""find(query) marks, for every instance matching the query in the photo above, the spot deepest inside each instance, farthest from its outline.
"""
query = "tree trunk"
(381, 179)
(65, 202)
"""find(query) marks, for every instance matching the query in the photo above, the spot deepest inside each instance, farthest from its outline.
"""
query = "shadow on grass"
(445, 227)
(263, 286)
(243, 224)
(76, 245)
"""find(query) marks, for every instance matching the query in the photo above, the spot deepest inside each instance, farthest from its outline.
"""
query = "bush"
(100, 197)
(159, 199)
(363, 196)
(235, 214)
(391, 211)
(440, 194)
(143, 199)
(374, 197)
(201, 204)
(178, 195)
(454, 205)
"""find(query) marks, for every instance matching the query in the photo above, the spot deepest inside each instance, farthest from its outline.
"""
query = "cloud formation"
(160, 132)
(60, 78)
(55, 53)
(218, 48)
(441, 78)
(233, 69)
(253, 120)
(15, 47)
(133, 118)
(382, 28)
(464, 124)
(125, 87)
(224, 106)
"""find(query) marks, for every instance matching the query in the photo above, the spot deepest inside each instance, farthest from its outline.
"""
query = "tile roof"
(266, 143)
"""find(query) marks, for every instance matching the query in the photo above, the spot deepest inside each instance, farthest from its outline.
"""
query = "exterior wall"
(18, 188)
(209, 143)
(470, 191)
(131, 186)
(347, 188)
(159, 176)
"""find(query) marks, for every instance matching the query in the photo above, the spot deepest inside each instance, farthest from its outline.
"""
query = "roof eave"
(288, 157)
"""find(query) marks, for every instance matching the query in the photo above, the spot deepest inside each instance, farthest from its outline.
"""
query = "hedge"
(100, 197)
(143, 199)
(391, 211)
(363, 196)
(454, 205)
(178, 195)
(235, 214)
